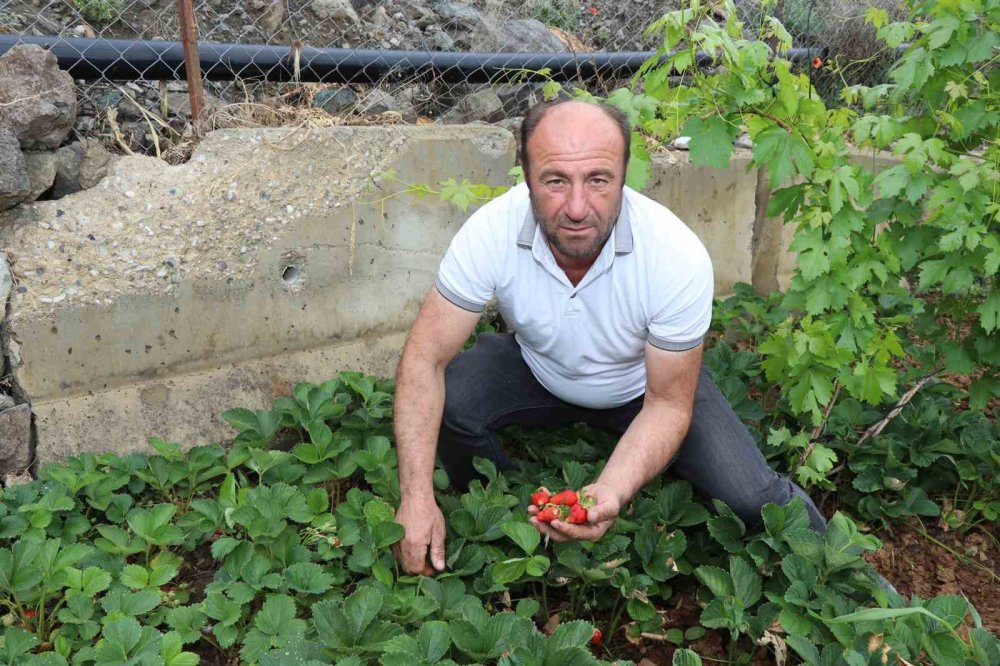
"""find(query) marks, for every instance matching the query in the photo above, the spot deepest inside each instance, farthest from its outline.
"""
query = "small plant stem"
(877, 429)
(952, 551)
(818, 430)
(545, 598)
(616, 615)
(41, 617)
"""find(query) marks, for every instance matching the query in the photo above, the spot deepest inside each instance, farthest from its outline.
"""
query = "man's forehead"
(576, 128)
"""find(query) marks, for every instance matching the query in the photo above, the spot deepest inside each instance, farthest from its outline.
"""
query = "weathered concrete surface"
(15, 438)
(149, 304)
(719, 205)
(266, 243)
(187, 408)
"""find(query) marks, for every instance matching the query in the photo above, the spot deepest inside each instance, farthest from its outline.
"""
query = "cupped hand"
(421, 550)
(600, 517)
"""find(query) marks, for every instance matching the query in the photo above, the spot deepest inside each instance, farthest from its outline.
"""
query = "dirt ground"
(964, 565)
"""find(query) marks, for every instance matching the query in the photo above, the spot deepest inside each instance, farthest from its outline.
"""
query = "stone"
(80, 166)
(521, 36)
(420, 16)
(378, 101)
(338, 10)
(15, 439)
(481, 105)
(513, 125)
(6, 402)
(14, 182)
(17, 479)
(459, 15)
(335, 100)
(441, 41)
(179, 104)
(37, 99)
(41, 173)
(109, 99)
(519, 98)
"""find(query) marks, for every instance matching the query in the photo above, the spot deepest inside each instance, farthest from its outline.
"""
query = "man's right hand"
(421, 551)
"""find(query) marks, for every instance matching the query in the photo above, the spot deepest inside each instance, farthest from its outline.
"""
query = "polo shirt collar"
(622, 233)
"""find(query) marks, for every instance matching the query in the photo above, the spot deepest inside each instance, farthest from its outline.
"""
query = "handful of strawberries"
(565, 505)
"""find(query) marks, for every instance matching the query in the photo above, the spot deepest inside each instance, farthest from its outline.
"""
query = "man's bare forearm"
(417, 412)
(647, 447)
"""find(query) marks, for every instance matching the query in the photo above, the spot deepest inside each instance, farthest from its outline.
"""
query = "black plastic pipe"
(126, 59)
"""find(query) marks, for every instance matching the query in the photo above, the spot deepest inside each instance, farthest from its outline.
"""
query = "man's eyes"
(558, 182)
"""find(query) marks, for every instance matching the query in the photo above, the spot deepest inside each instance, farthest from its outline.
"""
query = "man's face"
(575, 175)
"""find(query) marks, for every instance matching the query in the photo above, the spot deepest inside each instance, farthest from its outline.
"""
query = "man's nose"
(576, 203)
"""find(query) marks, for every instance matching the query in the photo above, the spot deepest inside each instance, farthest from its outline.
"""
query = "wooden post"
(192, 63)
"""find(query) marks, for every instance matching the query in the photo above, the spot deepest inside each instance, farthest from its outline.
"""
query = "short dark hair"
(540, 110)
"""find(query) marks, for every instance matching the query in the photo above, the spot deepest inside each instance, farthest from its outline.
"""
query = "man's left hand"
(599, 517)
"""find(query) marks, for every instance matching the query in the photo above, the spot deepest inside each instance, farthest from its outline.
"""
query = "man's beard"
(571, 252)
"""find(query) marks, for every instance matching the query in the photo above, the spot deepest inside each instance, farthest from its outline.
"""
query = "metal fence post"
(192, 63)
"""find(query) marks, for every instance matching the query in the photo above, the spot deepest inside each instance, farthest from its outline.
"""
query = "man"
(610, 296)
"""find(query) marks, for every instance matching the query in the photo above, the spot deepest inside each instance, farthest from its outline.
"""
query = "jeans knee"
(746, 502)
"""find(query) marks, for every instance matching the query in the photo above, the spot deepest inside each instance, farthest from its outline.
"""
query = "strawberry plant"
(265, 557)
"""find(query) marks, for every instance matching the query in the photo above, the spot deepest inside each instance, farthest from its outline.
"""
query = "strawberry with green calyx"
(597, 638)
(549, 513)
(565, 498)
(540, 497)
(577, 514)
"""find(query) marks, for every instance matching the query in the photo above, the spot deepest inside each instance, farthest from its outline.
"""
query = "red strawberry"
(30, 614)
(566, 497)
(577, 514)
(548, 514)
(597, 638)
(540, 498)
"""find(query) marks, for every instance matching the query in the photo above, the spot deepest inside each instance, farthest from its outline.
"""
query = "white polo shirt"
(585, 344)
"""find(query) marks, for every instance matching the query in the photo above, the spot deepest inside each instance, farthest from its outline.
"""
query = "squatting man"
(610, 297)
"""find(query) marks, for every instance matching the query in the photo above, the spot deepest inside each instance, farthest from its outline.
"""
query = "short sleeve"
(682, 318)
(467, 275)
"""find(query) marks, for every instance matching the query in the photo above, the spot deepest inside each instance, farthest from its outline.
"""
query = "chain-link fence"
(133, 112)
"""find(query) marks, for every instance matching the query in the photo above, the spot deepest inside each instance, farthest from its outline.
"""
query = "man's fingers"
(601, 512)
(437, 547)
(563, 531)
(415, 558)
(547, 531)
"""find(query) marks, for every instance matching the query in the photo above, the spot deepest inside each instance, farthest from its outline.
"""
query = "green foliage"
(99, 10)
(297, 551)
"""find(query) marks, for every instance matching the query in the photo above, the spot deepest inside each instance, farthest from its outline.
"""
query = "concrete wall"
(151, 303)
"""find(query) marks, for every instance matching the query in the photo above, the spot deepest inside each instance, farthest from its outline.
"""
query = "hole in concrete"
(97, 337)
(290, 275)
(54, 330)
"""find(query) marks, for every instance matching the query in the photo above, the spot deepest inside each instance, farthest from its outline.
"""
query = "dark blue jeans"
(490, 386)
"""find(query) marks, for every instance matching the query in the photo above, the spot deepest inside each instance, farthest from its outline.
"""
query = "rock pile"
(38, 158)
(38, 109)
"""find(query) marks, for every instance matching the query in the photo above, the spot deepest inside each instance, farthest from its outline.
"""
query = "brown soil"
(966, 565)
